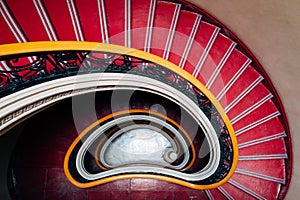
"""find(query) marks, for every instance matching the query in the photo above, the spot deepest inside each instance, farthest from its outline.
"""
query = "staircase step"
(237, 85)
(163, 32)
(186, 30)
(217, 57)
(235, 193)
(234, 63)
(249, 121)
(25, 19)
(142, 19)
(261, 131)
(250, 185)
(268, 148)
(115, 11)
(92, 15)
(64, 28)
(11, 31)
(258, 95)
(261, 140)
(273, 168)
(263, 157)
(6, 36)
(243, 94)
(201, 46)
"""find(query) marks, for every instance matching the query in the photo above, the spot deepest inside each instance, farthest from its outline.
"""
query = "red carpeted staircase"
(188, 37)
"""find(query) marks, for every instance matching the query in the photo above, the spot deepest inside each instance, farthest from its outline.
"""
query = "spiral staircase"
(187, 47)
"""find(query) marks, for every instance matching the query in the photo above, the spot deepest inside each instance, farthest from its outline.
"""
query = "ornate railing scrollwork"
(24, 71)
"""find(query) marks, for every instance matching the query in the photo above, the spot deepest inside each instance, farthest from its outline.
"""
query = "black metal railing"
(26, 70)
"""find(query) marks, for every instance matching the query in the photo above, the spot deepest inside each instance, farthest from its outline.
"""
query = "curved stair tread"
(24, 20)
(261, 133)
(235, 62)
(237, 85)
(92, 24)
(201, 45)
(163, 30)
(256, 187)
(275, 147)
(267, 111)
(142, 19)
(186, 30)
(263, 167)
(257, 96)
(232, 192)
(217, 57)
(64, 28)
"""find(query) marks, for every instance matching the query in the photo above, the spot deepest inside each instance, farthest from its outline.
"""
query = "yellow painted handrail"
(33, 47)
